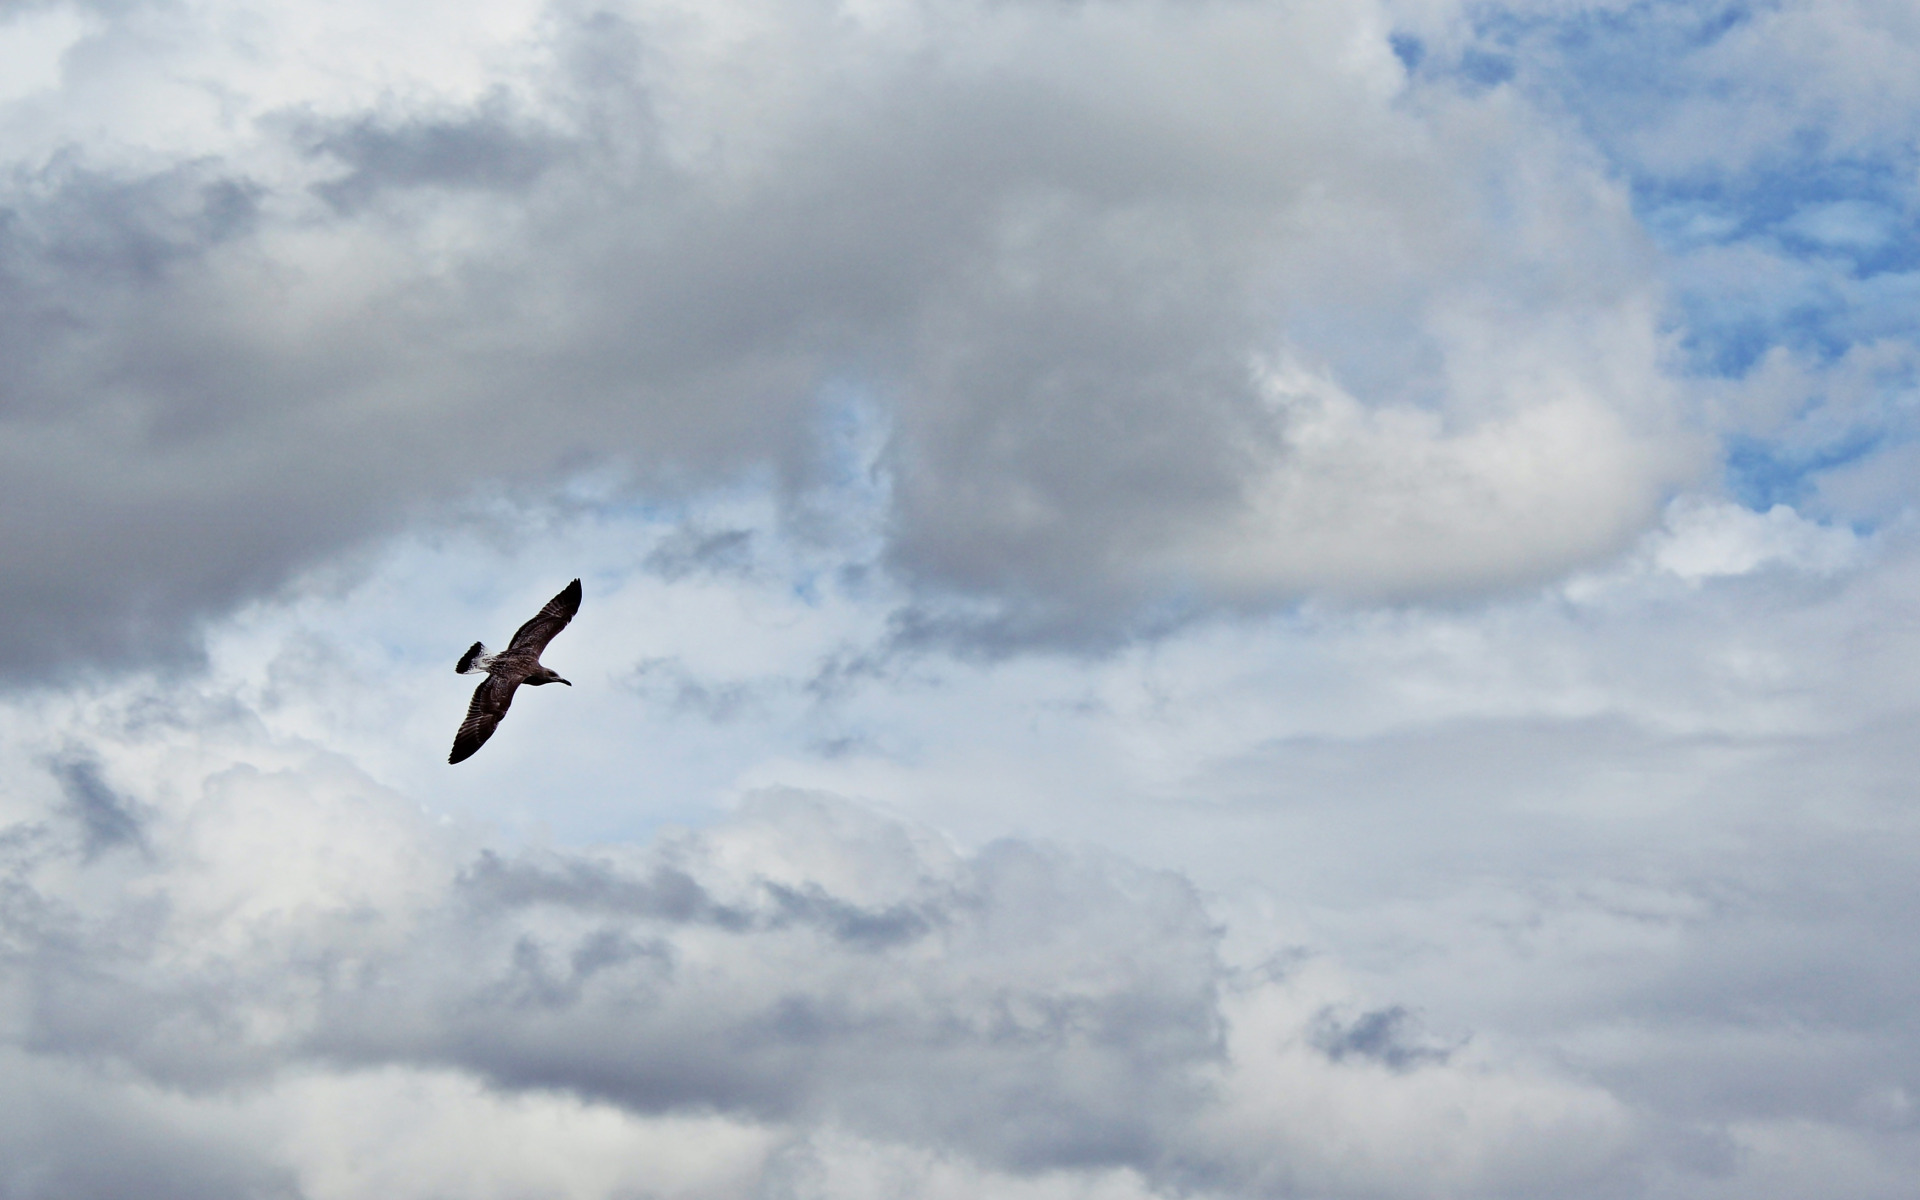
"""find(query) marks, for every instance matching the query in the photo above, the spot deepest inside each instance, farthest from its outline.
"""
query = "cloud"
(1049, 246)
(1767, 153)
(483, 150)
(1488, 508)
(1586, 892)
(1386, 1035)
(106, 819)
(65, 1136)
(807, 968)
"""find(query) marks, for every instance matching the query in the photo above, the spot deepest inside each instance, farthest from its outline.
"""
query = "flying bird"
(519, 663)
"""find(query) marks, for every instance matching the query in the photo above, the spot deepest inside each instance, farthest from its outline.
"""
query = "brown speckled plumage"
(519, 663)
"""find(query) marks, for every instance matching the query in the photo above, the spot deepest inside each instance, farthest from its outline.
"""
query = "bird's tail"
(475, 661)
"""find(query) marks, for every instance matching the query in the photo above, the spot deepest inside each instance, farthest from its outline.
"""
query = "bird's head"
(547, 675)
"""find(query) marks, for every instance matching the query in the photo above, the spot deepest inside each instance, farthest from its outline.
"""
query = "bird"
(519, 663)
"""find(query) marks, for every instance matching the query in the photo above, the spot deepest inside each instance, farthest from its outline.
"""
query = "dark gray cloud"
(894, 925)
(485, 150)
(1390, 1036)
(106, 818)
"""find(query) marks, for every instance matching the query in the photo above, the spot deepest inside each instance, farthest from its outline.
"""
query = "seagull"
(519, 663)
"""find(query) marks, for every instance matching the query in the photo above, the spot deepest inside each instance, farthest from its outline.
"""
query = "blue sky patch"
(1761, 474)
(1410, 50)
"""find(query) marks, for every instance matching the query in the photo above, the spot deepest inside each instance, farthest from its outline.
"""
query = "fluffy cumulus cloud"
(1161, 304)
(271, 940)
(1208, 599)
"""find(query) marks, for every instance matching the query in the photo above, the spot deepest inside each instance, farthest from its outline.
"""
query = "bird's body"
(519, 663)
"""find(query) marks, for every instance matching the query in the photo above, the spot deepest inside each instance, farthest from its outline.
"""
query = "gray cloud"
(1052, 270)
(106, 819)
(486, 150)
(60, 1139)
(1385, 1035)
(977, 1052)
(1029, 1009)
(580, 883)
(690, 550)
(668, 681)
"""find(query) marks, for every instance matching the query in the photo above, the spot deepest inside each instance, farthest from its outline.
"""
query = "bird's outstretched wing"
(490, 702)
(535, 634)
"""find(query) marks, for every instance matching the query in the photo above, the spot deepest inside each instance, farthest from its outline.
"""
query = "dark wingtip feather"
(465, 745)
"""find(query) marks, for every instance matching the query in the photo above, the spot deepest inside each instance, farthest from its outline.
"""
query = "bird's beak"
(567, 682)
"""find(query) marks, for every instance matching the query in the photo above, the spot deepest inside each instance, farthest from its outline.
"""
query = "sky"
(1183, 598)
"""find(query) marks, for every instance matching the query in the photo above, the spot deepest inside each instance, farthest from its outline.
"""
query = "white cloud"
(1472, 902)
(1842, 72)
(1387, 501)
(32, 46)
(320, 967)
(1704, 540)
